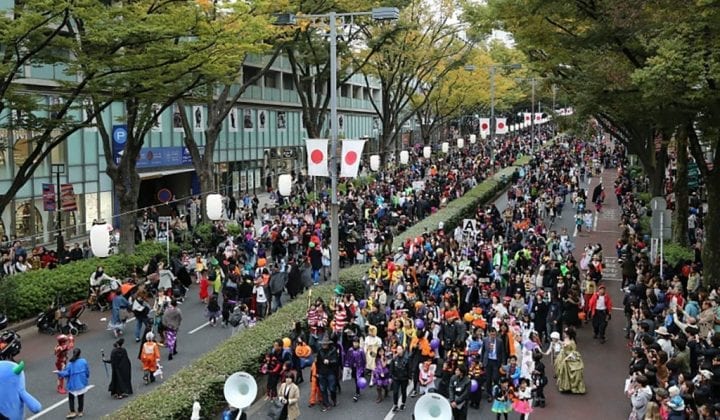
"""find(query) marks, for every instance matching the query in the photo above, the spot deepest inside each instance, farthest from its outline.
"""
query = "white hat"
(149, 336)
(555, 335)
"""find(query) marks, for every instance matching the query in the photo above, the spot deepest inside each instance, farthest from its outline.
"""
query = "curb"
(21, 325)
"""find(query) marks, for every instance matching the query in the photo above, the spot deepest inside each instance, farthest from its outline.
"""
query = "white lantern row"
(473, 138)
(100, 239)
(285, 185)
(214, 206)
(460, 143)
(374, 162)
(404, 157)
(427, 152)
(445, 147)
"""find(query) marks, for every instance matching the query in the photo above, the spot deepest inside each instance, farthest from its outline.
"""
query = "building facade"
(262, 137)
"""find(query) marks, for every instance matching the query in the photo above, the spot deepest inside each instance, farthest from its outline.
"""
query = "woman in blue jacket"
(77, 375)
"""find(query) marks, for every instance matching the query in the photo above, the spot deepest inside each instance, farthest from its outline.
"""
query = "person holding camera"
(640, 395)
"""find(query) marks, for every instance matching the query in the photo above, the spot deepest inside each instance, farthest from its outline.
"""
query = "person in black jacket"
(400, 374)
(328, 361)
(459, 393)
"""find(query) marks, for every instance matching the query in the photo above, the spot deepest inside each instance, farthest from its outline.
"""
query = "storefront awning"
(166, 172)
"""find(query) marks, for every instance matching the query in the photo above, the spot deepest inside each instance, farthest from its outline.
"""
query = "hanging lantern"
(473, 138)
(375, 162)
(285, 185)
(404, 157)
(445, 147)
(214, 207)
(460, 143)
(427, 152)
(100, 239)
(483, 136)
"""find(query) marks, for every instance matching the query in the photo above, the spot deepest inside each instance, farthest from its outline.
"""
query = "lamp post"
(379, 14)
(533, 82)
(57, 169)
(554, 93)
(492, 68)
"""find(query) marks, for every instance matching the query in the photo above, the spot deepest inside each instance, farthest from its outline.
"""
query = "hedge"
(204, 378)
(24, 295)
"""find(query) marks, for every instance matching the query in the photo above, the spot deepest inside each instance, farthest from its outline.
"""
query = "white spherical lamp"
(285, 185)
(427, 152)
(214, 206)
(460, 143)
(404, 157)
(100, 239)
(374, 162)
(473, 138)
(445, 147)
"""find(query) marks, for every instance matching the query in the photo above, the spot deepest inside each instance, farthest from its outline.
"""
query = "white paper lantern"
(483, 136)
(473, 138)
(404, 157)
(375, 162)
(214, 206)
(100, 240)
(427, 152)
(445, 147)
(460, 143)
(285, 185)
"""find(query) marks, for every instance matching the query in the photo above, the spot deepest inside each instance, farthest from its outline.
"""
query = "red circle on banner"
(317, 156)
(501, 125)
(484, 126)
(351, 157)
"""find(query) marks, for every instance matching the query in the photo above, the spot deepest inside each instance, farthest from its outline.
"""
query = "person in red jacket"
(600, 307)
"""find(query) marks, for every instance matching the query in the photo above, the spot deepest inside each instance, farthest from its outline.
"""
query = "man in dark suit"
(493, 357)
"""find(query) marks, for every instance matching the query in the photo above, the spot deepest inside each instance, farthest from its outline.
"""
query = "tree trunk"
(711, 243)
(127, 187)
(207, 183)
(681, 211)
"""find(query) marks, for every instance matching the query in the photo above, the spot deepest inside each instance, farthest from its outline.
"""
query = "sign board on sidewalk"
(164, 219)
(658, 204)
(666, 223)
(469, 226)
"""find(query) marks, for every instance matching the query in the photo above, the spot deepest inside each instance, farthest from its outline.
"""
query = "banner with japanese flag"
(501, 126)
(527, 117)
(317, 157)
(538, 117)
(484, 126)
(350, 159)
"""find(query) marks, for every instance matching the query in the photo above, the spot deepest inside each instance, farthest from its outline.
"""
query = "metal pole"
(492, 114)
(532, 120)
(334, 222)
(167, 240)
(662, 240)
(554, 91)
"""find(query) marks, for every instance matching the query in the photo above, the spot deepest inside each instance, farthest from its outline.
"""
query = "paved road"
(605, 364)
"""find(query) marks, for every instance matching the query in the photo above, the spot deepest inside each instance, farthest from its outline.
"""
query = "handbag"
(275, 409)
(347, 374)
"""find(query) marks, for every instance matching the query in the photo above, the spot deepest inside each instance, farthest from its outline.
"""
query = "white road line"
(54, 406)
(597, 216)
(199, 328)
(575, 232)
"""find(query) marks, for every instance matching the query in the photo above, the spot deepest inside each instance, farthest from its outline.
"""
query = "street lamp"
(533, 82)
(57, 169)
(492, 68)
(378, 14)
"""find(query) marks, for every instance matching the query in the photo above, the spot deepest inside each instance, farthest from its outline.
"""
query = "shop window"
(21, 151)
(28, 221)
(288, 81)
(249, 73)
(271, 80)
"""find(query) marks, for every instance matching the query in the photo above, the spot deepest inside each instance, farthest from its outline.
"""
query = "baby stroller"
(101, 297)
(61, 319)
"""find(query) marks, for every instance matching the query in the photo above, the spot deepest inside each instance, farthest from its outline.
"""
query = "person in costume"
(150, 358)
(15, 397)
(523, 397)
(355, 360)
(569, 365)
(121, 379)
(65, 344)
(502, 395)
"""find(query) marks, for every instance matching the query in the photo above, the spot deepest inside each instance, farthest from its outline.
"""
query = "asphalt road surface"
(605, 364)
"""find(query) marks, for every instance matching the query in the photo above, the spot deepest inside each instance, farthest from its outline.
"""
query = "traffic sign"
(120, 134)
(666, 224)
(658, 204)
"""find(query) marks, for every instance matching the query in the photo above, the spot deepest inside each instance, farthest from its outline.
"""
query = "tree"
(163, 47)
(244, 28)
(410, 65)
(35, 33)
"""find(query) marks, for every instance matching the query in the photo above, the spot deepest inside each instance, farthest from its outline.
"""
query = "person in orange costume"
(315, 394)
(150, 357)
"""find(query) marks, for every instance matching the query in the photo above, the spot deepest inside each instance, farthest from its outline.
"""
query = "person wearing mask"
(77, 375)
(400, 374)
(459, 393)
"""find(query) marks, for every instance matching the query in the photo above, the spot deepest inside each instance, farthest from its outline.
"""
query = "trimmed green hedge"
(204, 378)
(26, 294)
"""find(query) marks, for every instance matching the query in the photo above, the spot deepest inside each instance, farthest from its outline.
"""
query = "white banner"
(350, 158)
(317, 157)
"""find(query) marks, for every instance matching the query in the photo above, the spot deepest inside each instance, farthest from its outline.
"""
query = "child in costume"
(355, 359)
(523, 397)
(381, 375)
(315, 394)
(426, 376)
(65, 344)
(502, 395)
(150, 358)
(555, 347)
(539, 380)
